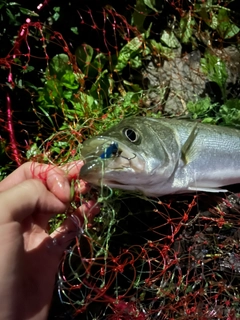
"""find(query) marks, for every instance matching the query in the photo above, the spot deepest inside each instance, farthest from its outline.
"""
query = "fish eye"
(131, 134)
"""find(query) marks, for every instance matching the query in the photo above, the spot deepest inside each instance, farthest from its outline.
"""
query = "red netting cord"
(13, 143)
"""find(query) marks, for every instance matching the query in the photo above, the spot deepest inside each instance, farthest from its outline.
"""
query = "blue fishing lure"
(112, 150)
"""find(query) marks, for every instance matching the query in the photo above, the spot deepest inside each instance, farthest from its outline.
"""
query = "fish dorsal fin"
(188, 152)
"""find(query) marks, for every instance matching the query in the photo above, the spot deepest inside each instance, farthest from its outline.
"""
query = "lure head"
(111, 150)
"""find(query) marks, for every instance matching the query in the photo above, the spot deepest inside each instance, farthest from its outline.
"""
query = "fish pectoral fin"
(207, 189)
(189, 152)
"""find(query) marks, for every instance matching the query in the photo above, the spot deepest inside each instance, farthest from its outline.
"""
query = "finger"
(27, 198)
(52, 177)
(72, 226)
(88, 210)
(72, 170)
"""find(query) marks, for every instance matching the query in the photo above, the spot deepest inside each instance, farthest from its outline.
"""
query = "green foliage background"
(78, 67)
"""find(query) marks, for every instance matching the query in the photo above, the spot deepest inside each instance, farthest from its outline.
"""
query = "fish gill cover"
(71, 69)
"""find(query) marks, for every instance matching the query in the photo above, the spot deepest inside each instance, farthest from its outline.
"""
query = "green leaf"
(27, 68)
(28, 84)
(169, 39)
(5, 170)
(84, 55)
(53, 87)
(47, 114)
(28, 12)
(131, 98)
(215, 69)
(59, 65)
(139, 15)
(200, 107)
(67, 94)
(209, 120)
(56, 16)
(148, 32)
(230, 112)
(33, 151)
(213, 22)
(99, 61)
(187, 24)
(226, 28)
(74, 30)
(11, 16)
(97, 65)
(151, 4)
(160, 49)
(102, 81)
(136, 62)
(68, 80)
(132, 86)
(128, 51)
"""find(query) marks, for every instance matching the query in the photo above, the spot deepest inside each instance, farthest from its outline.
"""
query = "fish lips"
(115, 171)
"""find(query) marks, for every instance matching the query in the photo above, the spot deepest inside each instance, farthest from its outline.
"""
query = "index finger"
(72, 170)
(54, 178)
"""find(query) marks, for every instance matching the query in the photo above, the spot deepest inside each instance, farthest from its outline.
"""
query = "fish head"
(128, 156)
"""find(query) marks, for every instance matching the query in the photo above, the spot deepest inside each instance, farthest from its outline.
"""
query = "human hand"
(29, 257)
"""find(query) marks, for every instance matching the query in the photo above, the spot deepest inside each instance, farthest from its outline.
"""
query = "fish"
(163, 156)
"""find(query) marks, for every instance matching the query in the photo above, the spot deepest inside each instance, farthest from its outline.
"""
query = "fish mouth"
(109, 162)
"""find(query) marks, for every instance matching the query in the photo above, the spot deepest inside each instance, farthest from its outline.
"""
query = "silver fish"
(163, 156)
